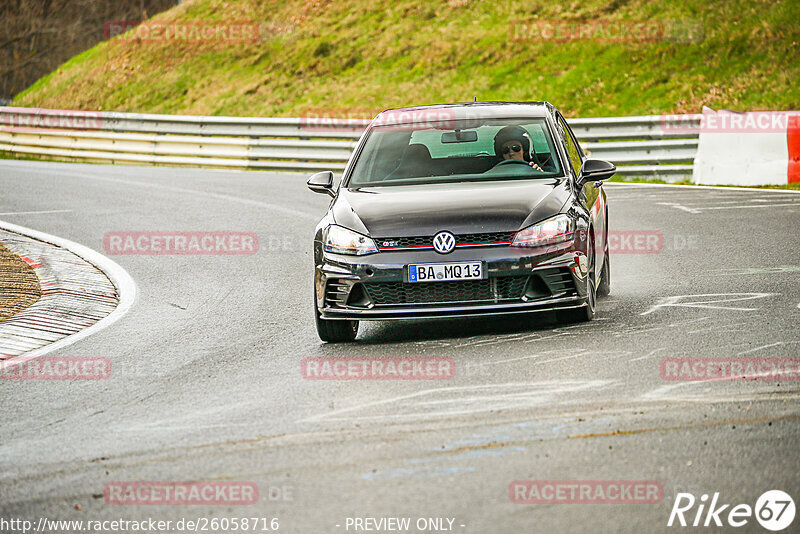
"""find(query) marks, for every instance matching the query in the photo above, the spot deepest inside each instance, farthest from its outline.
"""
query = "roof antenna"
(474, 99)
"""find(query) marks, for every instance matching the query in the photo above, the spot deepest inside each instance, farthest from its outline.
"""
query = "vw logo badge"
(444, 242)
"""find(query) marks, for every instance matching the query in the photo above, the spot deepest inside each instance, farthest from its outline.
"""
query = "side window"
(572, 150)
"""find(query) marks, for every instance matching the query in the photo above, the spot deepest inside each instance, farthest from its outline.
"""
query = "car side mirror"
(322, 182)
(595, 170)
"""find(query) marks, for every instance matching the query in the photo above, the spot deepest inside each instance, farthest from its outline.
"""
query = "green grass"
(4, 154)
(358, 57)
(25, 157)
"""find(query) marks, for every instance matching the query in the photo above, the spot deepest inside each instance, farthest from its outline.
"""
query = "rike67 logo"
(774, 510)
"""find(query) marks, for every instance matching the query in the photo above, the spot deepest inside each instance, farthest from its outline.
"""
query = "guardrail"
(659, 146)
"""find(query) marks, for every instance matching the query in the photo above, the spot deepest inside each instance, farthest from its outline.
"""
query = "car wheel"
(584, 313)
(334, 331)
(604, 288)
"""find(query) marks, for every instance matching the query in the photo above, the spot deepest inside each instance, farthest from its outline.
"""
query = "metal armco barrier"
(655, 146)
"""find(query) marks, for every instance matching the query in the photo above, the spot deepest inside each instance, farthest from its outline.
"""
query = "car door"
(591, 196)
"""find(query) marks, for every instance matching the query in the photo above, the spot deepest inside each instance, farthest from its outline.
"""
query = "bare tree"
(36, 36)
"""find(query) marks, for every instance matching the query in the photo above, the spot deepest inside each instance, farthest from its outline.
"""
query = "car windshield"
(456, 150)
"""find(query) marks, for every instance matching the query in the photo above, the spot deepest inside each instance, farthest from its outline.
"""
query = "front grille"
(558, 280)
(490, 237)
(507, 288)
(462, 240)
(336, 292)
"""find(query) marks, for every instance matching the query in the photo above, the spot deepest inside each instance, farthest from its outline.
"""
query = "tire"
(604, 288)
(584, 313)
(334, 331)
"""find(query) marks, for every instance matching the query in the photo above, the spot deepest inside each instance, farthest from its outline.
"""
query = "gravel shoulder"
(19, 285)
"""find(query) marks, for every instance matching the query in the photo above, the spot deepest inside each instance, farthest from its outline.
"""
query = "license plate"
(443, 272)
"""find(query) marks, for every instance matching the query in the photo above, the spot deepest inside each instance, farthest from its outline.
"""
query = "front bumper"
(376, 287)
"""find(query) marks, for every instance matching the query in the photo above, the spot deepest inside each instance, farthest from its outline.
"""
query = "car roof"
(466, 110)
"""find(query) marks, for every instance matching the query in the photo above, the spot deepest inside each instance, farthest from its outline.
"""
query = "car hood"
(463, 207)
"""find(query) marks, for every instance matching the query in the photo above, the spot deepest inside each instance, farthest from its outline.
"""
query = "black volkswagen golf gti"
(457, 210)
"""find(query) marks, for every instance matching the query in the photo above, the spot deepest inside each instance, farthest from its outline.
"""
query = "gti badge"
(444, 242)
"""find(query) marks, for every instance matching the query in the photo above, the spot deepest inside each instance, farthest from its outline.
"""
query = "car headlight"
(555, 230)
(343, 241)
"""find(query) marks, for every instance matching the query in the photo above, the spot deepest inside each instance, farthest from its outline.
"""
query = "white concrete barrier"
(753, 148)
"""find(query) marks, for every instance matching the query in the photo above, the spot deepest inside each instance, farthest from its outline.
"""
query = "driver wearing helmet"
(514, 142)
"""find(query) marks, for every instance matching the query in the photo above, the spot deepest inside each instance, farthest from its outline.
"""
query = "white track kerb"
(122, 281)
(623, 184)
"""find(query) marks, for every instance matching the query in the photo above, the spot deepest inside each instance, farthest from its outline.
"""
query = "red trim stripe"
(416, 247)
(484, 244)
(406, 248)
(793, 143)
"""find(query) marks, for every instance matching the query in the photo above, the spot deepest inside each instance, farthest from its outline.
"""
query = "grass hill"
(357, 57)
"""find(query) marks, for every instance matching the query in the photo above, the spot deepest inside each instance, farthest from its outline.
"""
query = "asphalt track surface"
(206, 381)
